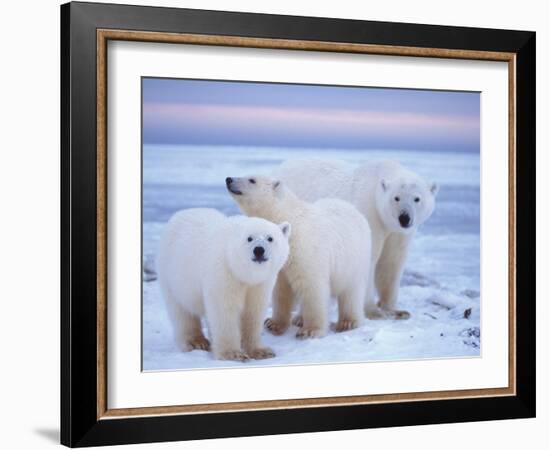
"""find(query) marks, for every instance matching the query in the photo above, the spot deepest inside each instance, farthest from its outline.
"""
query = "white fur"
(329, 255)
(206, 268)
(374, 189)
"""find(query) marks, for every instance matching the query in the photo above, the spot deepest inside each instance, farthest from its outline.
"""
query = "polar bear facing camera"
(223, 268)
(395, 201)
(329, 255)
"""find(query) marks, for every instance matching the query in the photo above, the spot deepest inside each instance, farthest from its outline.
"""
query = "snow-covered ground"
(440, 287)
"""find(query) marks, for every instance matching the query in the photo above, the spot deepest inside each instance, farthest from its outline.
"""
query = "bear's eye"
(396, 199)
(252, 180)
(249, 239)
(417, 199)
(269, 239)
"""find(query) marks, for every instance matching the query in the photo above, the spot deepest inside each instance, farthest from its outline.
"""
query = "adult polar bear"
(395, 202)
(329, 255)
(224, 268)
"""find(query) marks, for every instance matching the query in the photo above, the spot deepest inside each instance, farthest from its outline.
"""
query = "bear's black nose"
(228, 181)
(259, 252)
(404, 220)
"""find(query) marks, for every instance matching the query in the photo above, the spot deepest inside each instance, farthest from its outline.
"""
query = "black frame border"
(79, 423)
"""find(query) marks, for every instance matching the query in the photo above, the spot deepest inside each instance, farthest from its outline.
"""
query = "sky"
(193, 112)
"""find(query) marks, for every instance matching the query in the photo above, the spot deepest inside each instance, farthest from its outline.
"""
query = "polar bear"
(223, 268)
(395, 201)
(329, 255)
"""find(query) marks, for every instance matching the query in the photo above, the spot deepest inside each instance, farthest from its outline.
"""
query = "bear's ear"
(385, 185)
(434, 189)
(285, 228)
(278, 189)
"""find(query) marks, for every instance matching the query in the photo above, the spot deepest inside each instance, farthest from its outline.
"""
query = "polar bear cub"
(330, 251)
(223, 268)
(395, 201)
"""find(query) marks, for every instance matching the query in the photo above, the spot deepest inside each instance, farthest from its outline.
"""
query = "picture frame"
(86, 418)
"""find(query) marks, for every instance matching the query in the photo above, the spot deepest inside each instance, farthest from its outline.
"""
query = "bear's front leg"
(350, 308)
(314, 294)
(389, 270)
(257, 299)
(372, 310)
(224, 322)
(187, 326)
(283, 300)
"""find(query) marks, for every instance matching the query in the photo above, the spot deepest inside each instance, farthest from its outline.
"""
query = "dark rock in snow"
(470, 293)
(149, 276)
(410, 278)
(149, 271)
(440, 301)
(471, 336)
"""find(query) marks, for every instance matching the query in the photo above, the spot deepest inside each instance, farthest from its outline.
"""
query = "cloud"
(268, 125)
(306, 118)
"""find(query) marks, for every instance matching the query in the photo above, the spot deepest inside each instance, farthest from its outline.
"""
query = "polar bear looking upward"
(330, 252)
(223, 268)
(395, 201)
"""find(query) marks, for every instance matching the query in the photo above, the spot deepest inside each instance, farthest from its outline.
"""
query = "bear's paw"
(261, 353)
(274, 327)
(310, 332)
(233, 355)
(345, 325)
(199, 343)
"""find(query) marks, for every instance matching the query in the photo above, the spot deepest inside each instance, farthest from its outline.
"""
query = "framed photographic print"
(276, 224)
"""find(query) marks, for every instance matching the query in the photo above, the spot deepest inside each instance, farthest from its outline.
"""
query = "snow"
(440, 286)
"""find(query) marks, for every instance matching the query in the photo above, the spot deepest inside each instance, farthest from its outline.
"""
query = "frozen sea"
(440, 286)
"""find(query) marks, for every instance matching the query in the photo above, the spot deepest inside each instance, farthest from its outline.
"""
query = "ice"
(440, 286)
